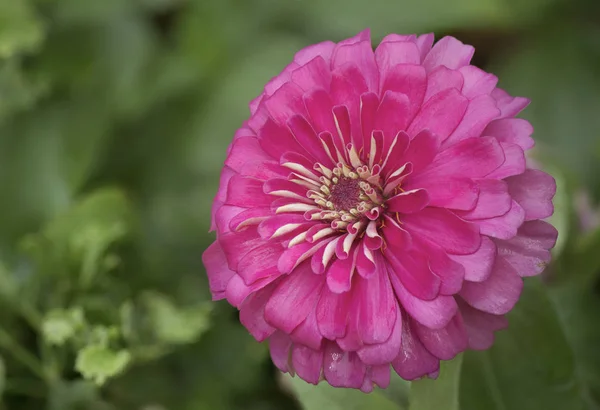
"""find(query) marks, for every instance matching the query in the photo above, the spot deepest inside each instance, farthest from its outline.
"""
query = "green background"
(114, 120)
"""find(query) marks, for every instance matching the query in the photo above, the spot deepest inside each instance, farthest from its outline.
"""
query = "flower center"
(345, 194)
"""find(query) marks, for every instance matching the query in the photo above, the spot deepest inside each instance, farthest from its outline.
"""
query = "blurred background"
(114, 120)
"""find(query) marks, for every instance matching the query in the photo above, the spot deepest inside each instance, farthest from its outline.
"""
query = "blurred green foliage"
(114, 120)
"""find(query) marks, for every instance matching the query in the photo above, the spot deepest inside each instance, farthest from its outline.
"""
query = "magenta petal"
(297, 254)
(533, 190)
(247, 192)
(481, 326)
(323, 50)
(313, 74)
(424, 42)
(450, 52)
(442, 78)
(361, 54)
(332, 313)
(393, 114)
(499, 293)
(422, 150)
(478, 266)
(252, 314)
(407, 79)
(242, 150)
(217, 270)
(447, 192)
(494, 200)
(477, 82)
(319, 106)
(248, 217)
(511, 130)
(444, 228)
(509, 106)
(451, 273)
(369, 103)
(237, 244)
(408, 202)
(294, 298)
(237, 291)
(412, 268)
(513, 165)
(391, 53)
(339, 275)
(376, 313)
(505, 226)
(380, 375)
(365, 261)
(307, 363)
(529, 251)
(307, 137)
(480, 112)
(275, 139)
(260, 262)
(384, 352)
(414, 360)
(343, 369)
(445, 343)
(395, 236)
(470, 158)
(226, 175)
(435, 313)
(279, 347)
(441, 114)
(285, 102)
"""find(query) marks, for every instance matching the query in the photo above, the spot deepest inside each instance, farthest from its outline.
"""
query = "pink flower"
(376, 210)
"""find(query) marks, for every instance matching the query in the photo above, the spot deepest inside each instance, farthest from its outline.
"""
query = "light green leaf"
(429, 394)
(530, 366)
(323, 396)
(20, 27)
(59, 325)
(176, 325)
(98, 362)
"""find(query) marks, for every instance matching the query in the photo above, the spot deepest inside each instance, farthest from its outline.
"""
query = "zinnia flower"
(376, 212)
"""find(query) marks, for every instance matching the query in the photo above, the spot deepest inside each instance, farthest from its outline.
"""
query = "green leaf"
(18, 90)
(173, 325)
(99, 362)
(429, 394)
(20, 28)
(323, 396)
(530, 366)
(2, 377)
(59, 325)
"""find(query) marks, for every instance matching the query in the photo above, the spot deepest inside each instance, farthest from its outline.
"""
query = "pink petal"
(247, 192)
(533, 190)
(444, 343)
(412, 268)
(237, 291)
(252, 313)
(313, 74)
(279, 346)
(509, 106)
(407, 79)
(237, 244)
(529, 251)
(342, 369)
(319, 107)
(332, 313)
(260, 262)
(396, 146)
(307, 363)
(395, 235)
(385, 352)
(451, 273)
(253, 216)
(377, 308)
(369, 103)
(393, 114)
(380, 375)
(217, 270)
(441, 114)
(391, 53)
(285, 102)
(480, 112)
(505, 226)
(513, 165)
(307, 333)
(361, 54)
(442, 227)
(414, 360)
(323, 50)
(424, 42)
(422, 150)
(470, 158)
(276, 139)
(408, 202)
(498, 294)
(450, 52)
(511, 130)
(226, 175)
(242, 150)
(478, 266)
(294, 298)
(365, 264)
(477, 82)
(447, 192)
(494, 200)
(435, 313)
(442, 78)
(297, 254)
(481, 326)
(339, 275)
(307, 137)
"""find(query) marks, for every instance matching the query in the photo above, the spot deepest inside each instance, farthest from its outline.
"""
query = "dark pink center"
(345, 195)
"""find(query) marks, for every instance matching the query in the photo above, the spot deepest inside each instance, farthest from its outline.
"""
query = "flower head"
(376, 211)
